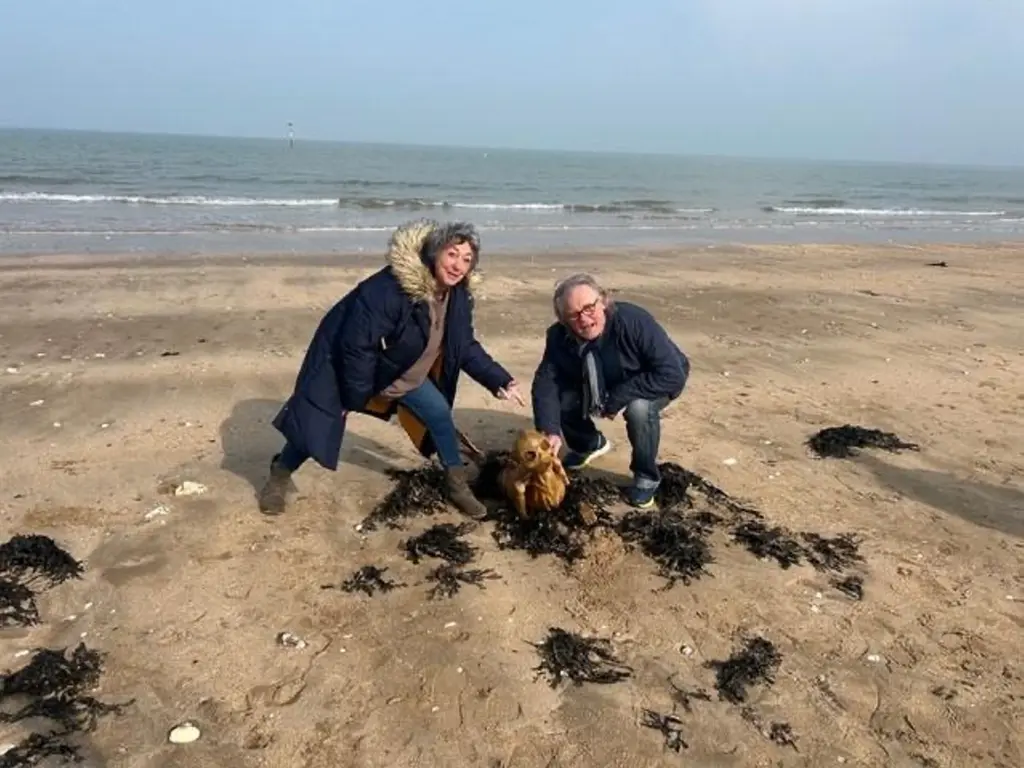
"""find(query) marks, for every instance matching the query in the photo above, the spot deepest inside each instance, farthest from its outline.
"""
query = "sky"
(892, 80)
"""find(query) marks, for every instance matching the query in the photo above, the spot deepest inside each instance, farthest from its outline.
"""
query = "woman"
(396, 343)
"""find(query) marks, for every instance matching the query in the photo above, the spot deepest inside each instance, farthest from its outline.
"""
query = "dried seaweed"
(845, 441)
(537, 536)
(779, 733)
(676, 483)
(71, 714)
(676, 543)
(832, 554)
(670, 727)
(587, 499)
(17, 605)
(441, 541)
(27, 558)
(782, 734)
(487, 484)
(780, 544)
(419, 492)
(756, 662)
(682, 697)
(851, 586)
(55, 685)
(367, 579)
(566, 654)
(776, 542)
(37, 747)
(449, 579)
(51, 673)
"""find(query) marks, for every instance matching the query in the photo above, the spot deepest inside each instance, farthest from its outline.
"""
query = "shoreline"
(356, 258)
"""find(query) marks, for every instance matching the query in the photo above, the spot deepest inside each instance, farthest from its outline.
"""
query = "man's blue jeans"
(643, 428)
(428, 405)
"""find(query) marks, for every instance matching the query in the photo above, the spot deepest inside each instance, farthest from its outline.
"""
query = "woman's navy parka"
(369, 339)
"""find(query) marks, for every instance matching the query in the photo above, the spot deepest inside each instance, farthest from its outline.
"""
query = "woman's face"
(453, 264)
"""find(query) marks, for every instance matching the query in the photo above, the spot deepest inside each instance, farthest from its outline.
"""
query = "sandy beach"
(128, 377)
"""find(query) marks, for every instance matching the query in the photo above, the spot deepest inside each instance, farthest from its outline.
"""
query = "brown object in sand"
(534, 479)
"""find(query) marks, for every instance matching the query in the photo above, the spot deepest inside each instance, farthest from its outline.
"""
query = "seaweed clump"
(586, 501)
(780, 544)
(487, 484)
(17, 605)
(670, 726)
(776, 542)
(779, 733)
(566, 654)
(851, 586)
(28, 561)
(676, 483)
(441, 541)
(367, 579)
(847, 440)
(33, 557)
(418, 492)
(37, 747)
(677, 544)
(449, 579)
(756, 662)
(832, 554)
(537, 536)
(55, 686)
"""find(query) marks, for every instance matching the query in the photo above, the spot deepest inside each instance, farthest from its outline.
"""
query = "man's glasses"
(587, 309)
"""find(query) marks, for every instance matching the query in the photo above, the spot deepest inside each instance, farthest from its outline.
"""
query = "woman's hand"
(511, 392)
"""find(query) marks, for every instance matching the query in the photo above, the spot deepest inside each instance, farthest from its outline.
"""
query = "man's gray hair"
(444, 235)
(566, 286)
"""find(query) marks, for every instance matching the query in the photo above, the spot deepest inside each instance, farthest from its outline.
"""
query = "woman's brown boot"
(459, 493)
(278, 490)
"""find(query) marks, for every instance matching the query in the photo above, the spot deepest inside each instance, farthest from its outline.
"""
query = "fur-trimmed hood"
(404, 258)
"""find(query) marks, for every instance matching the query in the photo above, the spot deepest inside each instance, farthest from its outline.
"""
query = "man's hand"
(556, 442)
(511, 392)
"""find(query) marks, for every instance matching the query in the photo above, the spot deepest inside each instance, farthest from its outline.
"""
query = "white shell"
(185, 733)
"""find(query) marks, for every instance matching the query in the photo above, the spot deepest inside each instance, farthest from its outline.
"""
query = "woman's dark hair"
(444, 235)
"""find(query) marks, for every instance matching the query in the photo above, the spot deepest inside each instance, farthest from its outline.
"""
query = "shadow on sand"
(249, 439)
(990, 506)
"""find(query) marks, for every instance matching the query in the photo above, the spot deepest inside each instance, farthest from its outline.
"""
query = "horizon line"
(540, 150)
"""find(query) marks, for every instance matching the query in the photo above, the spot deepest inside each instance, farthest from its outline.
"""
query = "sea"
(79, 192)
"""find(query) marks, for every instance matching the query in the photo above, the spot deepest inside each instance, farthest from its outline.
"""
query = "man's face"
(453, 264)
(585, 312)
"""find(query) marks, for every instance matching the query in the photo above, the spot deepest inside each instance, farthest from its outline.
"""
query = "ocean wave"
(189, 200)
(816, 202)
(903, 212)
(186, 230)
(642, 206)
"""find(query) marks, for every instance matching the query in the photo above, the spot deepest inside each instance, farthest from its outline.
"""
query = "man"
(600, 359)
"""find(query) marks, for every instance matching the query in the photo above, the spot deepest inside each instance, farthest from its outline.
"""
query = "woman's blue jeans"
(428, 405)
